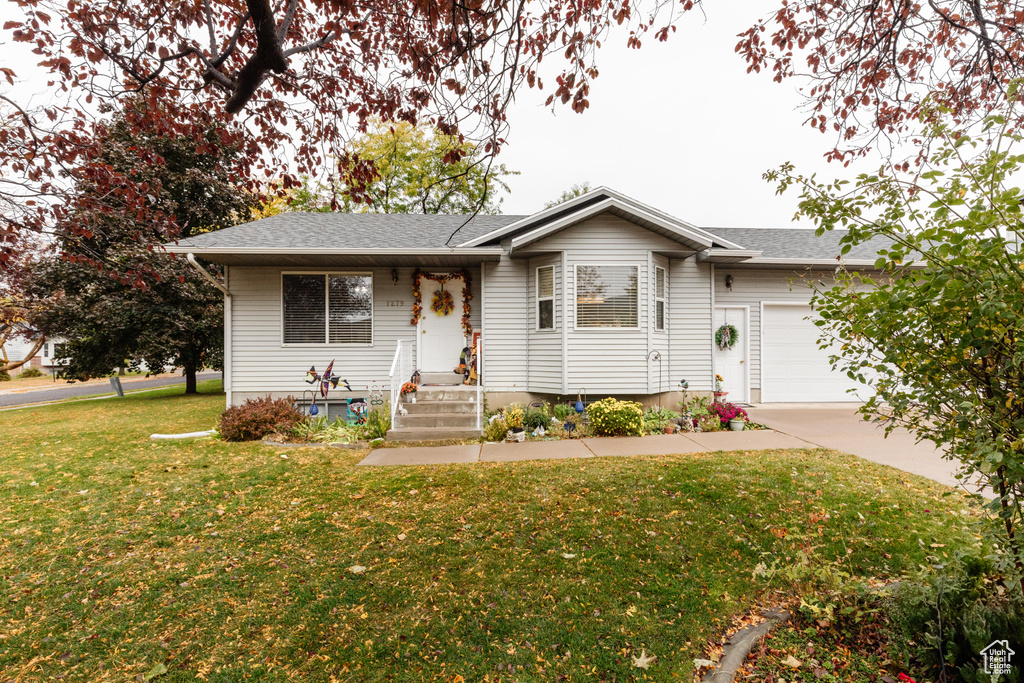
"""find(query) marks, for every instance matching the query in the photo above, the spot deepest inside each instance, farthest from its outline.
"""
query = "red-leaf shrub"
(258, 417)
(727, 411)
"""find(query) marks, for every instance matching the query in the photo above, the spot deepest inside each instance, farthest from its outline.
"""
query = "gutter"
(206, 274)
(227, 322)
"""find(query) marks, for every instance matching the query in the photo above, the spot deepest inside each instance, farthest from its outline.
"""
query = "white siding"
(545, 346)
(607, 360)
(260, 364)
(505, 334)
(689, 323)
(659, 340)
(750, 288)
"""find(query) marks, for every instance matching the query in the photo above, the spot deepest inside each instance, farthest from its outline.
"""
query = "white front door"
(441, 336)
(732, 363)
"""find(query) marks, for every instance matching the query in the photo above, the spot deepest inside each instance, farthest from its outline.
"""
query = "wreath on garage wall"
(726, 336)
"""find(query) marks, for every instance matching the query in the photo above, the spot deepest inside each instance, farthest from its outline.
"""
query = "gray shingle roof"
(798, 243)
(350, 231)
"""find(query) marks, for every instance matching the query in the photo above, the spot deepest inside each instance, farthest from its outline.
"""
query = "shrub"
(537, 417)
(708, 423)
(727, 411)
(564, 411)
(5, 376)
(612, 417)
(496, 430)
(378, 421)
(28, 373)
(976, 609)
(258, 417)
(338, 431)
(655, 419)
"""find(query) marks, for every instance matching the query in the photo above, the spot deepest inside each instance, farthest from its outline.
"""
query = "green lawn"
(123, 557)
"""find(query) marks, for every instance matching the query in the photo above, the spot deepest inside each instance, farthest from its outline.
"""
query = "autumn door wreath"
(442, 303)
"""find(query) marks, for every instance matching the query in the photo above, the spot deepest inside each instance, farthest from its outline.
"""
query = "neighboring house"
(18, 347)
(575, 297)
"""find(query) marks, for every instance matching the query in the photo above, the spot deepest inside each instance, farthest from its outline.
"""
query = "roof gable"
(593, 203)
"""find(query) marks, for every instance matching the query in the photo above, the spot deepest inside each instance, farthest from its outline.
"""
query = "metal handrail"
(401, 371)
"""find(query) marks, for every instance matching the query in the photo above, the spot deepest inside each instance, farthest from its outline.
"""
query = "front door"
(732, 363)
(441, 336)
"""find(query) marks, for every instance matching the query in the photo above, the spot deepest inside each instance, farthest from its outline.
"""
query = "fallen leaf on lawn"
(631, 611)
(284, 456)
(701, 663)
(402, 537)
(357, 569)
(792, 662)
(83, 492)
(414, 492)
(356, 496)
(158, 670)
(568, 556)
(35, 483)
(643, 661)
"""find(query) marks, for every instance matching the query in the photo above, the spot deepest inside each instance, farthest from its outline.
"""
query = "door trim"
(746, 346)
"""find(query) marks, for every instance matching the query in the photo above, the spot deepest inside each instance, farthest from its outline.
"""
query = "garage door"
(793, 368)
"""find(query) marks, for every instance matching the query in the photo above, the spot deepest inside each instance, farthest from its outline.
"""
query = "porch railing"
(480, 383)
(401, 372)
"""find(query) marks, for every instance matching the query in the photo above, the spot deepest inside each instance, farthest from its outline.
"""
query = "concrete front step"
(434, 407)
(459, 393)
(431, 433)
(436, 420)
(440, 378)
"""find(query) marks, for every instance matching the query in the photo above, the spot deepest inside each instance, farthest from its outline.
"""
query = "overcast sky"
(679, 125)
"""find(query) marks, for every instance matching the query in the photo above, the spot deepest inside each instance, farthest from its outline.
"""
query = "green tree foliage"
(112, 293)
(573, 192)
(416, 169)
(938, 329)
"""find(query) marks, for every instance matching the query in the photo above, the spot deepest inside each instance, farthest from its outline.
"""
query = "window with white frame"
(327, 308)
(659, 298)
(606, 296)
(546, 298)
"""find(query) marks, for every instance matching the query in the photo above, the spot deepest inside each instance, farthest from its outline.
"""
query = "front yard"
(125, 558)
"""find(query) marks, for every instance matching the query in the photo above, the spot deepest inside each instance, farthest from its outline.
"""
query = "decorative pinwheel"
(327, 381)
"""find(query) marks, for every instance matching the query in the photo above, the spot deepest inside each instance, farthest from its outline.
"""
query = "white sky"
(678, 125)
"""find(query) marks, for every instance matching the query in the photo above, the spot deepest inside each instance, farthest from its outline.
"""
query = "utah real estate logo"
(996, 657)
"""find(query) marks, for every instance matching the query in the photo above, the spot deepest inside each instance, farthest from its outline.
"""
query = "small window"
(327, 309)
(546, 298)
(659, 298)
(606, 296)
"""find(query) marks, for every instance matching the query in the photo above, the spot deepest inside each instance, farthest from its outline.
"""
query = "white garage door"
(793, 368)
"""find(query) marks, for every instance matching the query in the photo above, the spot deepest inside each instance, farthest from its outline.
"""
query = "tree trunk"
(190, 380)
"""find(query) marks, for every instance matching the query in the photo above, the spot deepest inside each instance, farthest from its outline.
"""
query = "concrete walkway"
(840, 427)
(835, 426)
(659, 444)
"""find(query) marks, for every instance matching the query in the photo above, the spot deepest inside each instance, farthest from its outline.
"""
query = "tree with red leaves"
(303, 75)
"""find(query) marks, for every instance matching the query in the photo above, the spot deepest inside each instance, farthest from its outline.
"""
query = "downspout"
(227, 321)
(711, 337)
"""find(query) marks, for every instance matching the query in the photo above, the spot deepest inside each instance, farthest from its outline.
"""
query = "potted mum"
(514, 420)
(409, 390)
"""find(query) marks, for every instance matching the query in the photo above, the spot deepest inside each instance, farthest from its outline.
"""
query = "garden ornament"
(327, 381)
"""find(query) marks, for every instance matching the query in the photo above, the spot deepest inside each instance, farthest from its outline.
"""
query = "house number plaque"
(395, 302)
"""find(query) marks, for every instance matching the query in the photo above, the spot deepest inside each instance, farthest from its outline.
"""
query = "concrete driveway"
(840, 427)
